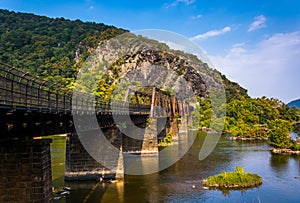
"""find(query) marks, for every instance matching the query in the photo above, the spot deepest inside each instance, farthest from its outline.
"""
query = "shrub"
(236, 179)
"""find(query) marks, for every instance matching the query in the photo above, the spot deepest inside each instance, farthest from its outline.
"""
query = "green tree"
(278, 133)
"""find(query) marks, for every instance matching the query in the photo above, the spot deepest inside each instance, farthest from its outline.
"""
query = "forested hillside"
(50, 48)
(55, 49)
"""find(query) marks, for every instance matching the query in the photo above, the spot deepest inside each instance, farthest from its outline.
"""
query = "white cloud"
(259, 22)
(196, 16)
(177, 2)
(271, 67)
(212, 33)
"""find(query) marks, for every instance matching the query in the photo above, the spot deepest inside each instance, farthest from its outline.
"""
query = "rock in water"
(56, 198)
(67, 188)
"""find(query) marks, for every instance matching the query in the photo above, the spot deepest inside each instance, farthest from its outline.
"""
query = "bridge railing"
(20, 90)
(83, 102)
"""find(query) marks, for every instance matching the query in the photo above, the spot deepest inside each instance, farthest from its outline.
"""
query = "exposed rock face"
(197, 81)
(180, 72)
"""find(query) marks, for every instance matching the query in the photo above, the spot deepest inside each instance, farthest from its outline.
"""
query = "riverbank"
(284, 151)
(247, 138)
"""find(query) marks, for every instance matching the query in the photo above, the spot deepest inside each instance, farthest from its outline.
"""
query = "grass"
(236, 179)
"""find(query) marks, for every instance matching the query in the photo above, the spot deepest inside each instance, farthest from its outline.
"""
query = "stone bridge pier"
(80, 165)
(25, 168)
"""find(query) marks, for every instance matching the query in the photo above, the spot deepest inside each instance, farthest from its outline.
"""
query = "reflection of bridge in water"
(31, 107)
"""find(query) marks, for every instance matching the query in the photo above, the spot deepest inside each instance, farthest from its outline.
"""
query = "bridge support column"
(25, 168)
(184, 122)
(173, 128)
(183, 125)
(80, 165)
(150, 144)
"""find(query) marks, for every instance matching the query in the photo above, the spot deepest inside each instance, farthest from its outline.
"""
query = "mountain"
(55, 49)
(295, 103)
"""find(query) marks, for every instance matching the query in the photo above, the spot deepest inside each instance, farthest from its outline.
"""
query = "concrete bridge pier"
(25, 168)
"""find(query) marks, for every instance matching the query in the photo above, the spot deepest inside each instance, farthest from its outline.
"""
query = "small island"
(234, 180)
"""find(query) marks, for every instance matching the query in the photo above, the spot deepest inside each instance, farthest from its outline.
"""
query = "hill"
(47, 47)
(55, 49)
(295, 103)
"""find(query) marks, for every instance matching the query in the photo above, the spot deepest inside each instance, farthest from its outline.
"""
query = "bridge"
(32, 107)
(37, 107)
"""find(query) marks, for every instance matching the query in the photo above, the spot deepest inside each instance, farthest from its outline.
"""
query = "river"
(175, 184)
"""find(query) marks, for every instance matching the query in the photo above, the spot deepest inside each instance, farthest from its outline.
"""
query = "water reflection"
(279, 163)
(140, 164)
(114, 192)
(58, 154)
(174, 184)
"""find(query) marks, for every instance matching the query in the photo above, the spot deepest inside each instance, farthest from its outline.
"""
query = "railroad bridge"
(31, 107)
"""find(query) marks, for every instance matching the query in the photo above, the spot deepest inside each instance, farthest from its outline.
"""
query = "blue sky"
(255, 43)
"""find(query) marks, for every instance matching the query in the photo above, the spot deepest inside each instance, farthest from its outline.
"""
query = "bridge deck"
(30, 105)
(21, 91)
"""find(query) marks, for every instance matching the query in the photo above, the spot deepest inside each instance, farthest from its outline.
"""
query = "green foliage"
(50, 48)
(202, 115)
(249, 117)
(296, 128)
(167, 140)
(295, 146)
(236, 179)
(233, 90)
(278, 133)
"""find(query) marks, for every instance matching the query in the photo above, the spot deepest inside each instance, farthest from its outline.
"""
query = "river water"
(175, 184)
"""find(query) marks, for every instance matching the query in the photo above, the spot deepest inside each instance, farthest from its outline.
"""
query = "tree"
(278, 133)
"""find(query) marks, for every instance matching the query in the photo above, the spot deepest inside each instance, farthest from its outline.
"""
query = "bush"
(167, 140)
(236, 179)
(296, 146)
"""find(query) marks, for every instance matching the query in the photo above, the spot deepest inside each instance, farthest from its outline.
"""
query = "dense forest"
(55, 49)
(50, 48)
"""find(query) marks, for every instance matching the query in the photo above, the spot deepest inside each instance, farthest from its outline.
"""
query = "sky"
(255, 43)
